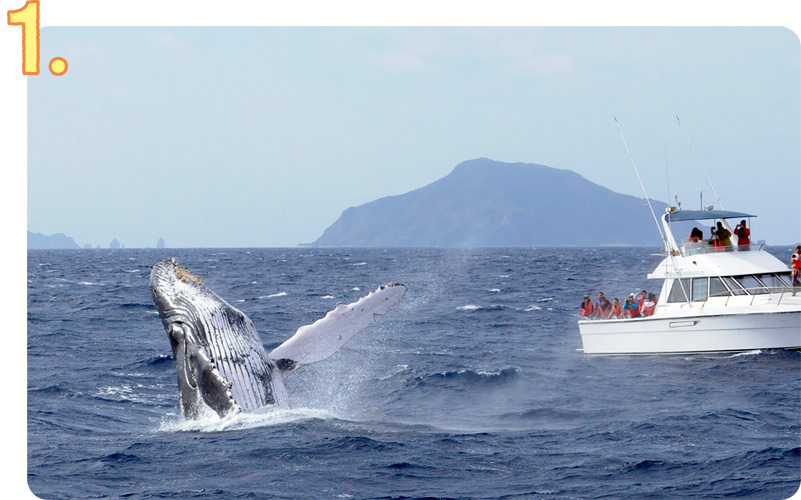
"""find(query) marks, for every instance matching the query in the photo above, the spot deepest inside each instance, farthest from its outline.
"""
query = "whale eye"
(176, 331)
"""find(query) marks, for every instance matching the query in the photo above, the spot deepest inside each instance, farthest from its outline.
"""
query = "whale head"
(218, 355)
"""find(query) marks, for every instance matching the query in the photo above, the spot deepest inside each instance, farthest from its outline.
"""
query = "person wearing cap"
(630, 308)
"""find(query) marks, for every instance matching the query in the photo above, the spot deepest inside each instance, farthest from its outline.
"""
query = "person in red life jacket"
(597, 305)
(630, 309)
(696, 235)
(649, 305)
(640, 298)
(743, 234)
(586, 307)
(604, 308)
(795, 264)
(617, 308)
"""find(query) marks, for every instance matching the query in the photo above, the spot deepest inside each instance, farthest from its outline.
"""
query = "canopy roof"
(683, 215)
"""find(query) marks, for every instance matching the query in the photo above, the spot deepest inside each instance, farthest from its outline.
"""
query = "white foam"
(268, 416)
(274, 295)
(468, 307)
(746, 353)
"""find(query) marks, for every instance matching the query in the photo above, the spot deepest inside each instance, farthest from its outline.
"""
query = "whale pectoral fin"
(321, 339)
(213, 387)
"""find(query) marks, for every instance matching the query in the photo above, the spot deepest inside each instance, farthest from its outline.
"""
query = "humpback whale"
(219, 358)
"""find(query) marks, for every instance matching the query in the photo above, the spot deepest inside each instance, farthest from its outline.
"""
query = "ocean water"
(473, 387)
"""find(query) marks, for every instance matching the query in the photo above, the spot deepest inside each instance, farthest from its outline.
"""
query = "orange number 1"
(28, 18)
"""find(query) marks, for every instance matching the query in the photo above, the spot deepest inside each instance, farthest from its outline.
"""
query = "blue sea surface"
(473, 387)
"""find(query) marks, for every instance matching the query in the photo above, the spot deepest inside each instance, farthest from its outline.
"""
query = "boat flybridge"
(713, 298)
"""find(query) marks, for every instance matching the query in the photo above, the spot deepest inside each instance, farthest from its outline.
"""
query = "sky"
(262, 136)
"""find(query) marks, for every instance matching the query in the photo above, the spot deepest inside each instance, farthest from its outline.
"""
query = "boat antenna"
(698, 158)
(667, 171)
(656, 221)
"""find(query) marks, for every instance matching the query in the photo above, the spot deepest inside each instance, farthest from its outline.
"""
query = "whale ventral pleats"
(187, 276)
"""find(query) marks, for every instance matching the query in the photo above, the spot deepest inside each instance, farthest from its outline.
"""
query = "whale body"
(220, 361)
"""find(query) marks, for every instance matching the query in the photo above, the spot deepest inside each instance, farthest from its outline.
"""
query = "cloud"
(550, 63)
(398, 61)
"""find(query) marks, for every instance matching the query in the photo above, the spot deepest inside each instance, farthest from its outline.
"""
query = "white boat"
(732, 298)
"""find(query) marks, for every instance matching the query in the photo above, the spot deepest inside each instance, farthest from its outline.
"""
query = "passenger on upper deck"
(696, 235)
(723, 235)
(743, 234)
(713, 239)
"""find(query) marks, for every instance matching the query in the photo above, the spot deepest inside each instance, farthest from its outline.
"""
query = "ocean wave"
(468, 307)
(273, 295)
(467, 378)
(474, 307)
(122, 393)
(145, 367)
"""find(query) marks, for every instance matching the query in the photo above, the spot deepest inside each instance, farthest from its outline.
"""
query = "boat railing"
(754, 292)
(703, 247)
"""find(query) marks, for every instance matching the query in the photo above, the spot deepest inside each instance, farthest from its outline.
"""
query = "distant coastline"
(60, 241)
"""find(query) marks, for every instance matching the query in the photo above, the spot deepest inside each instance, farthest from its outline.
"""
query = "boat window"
(679, 291)
(700, 288)
(784, 279)
(772, 281)
(735, 287)
(717, 288)
(751, 284)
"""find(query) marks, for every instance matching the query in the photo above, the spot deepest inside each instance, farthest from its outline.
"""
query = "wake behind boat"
(713, 298)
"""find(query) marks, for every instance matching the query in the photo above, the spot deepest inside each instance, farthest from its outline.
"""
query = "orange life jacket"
(616, 309)
(586, 308)
(743, 236)
(796, 261)
(648, 310)
(633, 310)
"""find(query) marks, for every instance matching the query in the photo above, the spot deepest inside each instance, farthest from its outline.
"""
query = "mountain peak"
(487, 203)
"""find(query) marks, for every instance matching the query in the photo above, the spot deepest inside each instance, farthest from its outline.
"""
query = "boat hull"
(699, 333)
